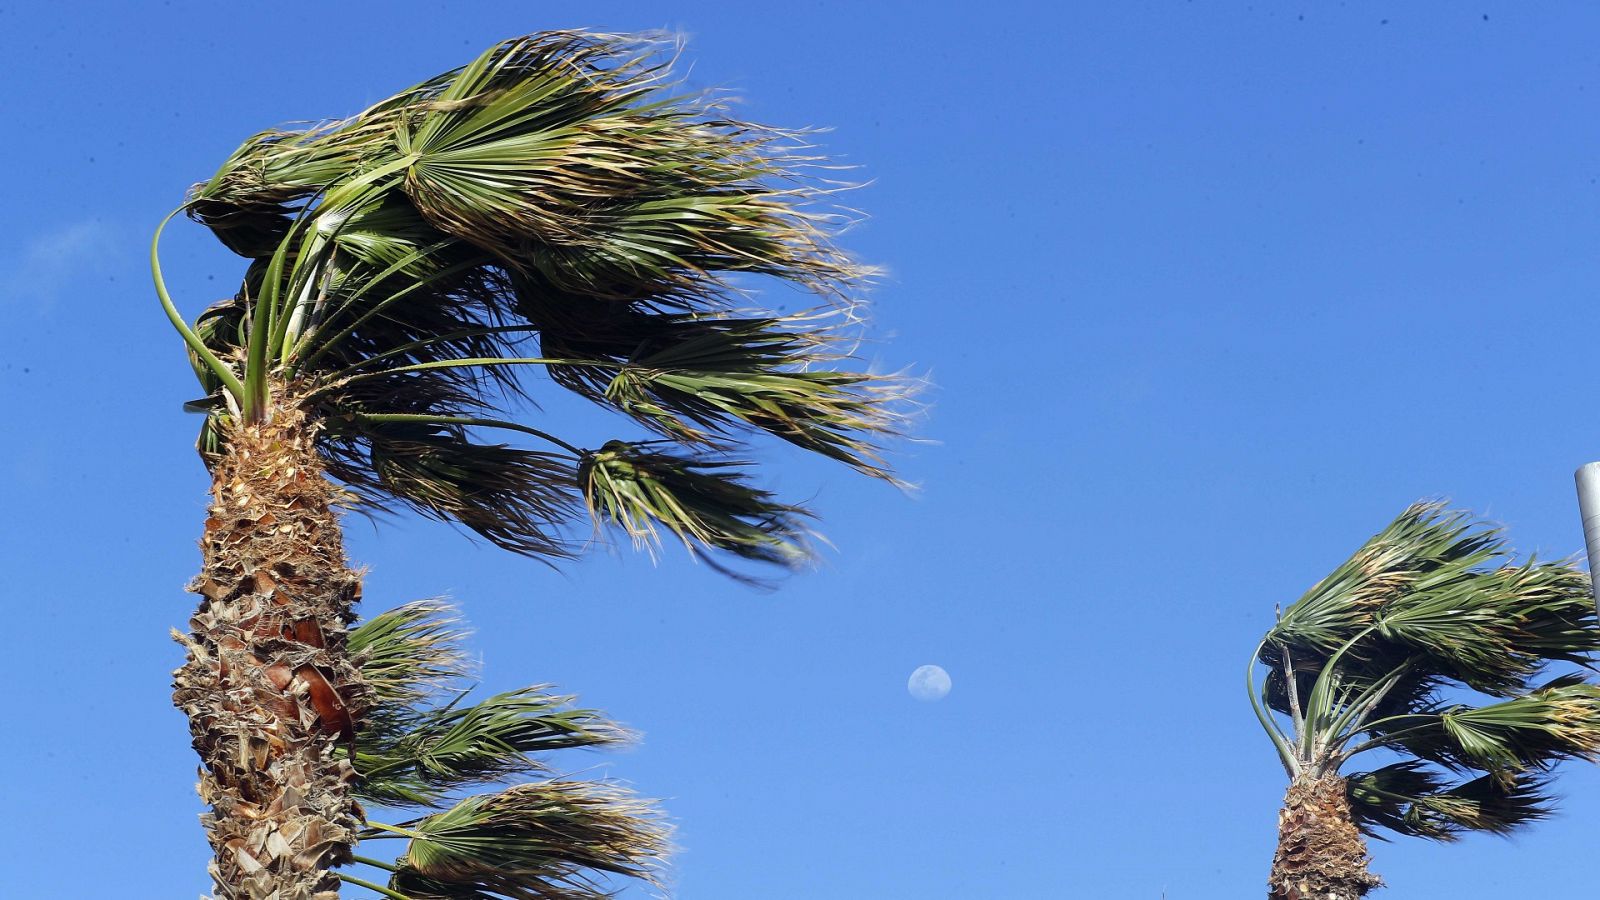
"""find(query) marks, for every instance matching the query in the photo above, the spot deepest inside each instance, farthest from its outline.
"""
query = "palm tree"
(554, 206)
(1429, 648)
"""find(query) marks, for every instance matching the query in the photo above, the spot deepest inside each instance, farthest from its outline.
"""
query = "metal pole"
(1588, 477)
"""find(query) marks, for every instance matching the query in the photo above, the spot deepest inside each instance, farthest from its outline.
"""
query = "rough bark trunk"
(269, 688)
(1321, 854)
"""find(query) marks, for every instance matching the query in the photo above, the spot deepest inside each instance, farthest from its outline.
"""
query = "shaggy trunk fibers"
(1321, 854)
(268, 687)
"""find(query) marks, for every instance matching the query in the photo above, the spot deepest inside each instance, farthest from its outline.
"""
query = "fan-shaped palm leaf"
(537, 841)
(458, 746)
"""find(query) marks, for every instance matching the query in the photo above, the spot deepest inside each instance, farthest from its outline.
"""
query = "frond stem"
(1296, 715)
(451, 364)
(393, 831)
(438, 339)
(315, 337)
(1364, 746)
(217, 367)
(1349, 723)
(375, 863)
(264, 317)
(1286, 756)
(1319, 707)
(324, 246)
(471, 420)
(361, 882)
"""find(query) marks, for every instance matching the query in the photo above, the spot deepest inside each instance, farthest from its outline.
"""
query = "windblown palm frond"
(409, 653)
(1429, 643)
(1409, 798)
(420, 746)
(553, 206)
(634, 487)
(487, 741)
(549, 840)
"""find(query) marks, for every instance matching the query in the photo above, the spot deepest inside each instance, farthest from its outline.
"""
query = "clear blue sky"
(1209, 291)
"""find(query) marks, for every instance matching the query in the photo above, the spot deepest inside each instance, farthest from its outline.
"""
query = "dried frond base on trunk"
(1321, 854)
(268, 687)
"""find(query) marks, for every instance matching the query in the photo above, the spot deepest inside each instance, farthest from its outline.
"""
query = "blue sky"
(1209, 291)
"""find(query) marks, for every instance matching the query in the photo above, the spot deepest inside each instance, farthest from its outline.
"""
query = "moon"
(929, 683)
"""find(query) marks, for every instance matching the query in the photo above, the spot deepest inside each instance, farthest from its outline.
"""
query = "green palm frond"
(1426, 588)
(419, 740)
(1427, 643)
(752, 372)
(1494, 629)
(1425, 549)
(633, 187)
(641, 488)
(1411, 799)
(555, 206)
(457, 746)
(517, 498)
(409, 653)
(1381, 799)
(1558, 721)
(548, 840)
(1490, 803)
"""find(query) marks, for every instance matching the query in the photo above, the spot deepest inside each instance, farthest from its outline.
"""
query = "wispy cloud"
(37, 273)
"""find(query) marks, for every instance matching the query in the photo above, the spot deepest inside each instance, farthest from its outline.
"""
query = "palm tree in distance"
(552, 207)
(1428, 649)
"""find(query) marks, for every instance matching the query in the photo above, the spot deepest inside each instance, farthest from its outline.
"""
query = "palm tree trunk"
(1321, 854)
(269, 688)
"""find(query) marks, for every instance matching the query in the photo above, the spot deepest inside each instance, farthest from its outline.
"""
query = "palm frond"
(1380, 799)
(1410, 799)
(759, 373)
(642, 488)
(518, 499)
(1426, 587)
(1531, 731)
(1494, 629)
(549, 840)
(1557, 721)
(1490, 803)
(457, 746)
(562, 154)
(409, 653)
(1425, 545)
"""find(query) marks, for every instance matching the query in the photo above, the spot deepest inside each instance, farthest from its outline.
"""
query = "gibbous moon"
(929, 683)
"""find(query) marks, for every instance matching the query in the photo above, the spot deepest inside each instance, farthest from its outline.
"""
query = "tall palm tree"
(1428, 649)
(556, 206)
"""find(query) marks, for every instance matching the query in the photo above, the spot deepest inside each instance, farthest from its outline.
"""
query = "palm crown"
(555, 206)
(1431, 647)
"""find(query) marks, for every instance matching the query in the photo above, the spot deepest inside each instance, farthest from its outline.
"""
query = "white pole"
(1588, 477)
